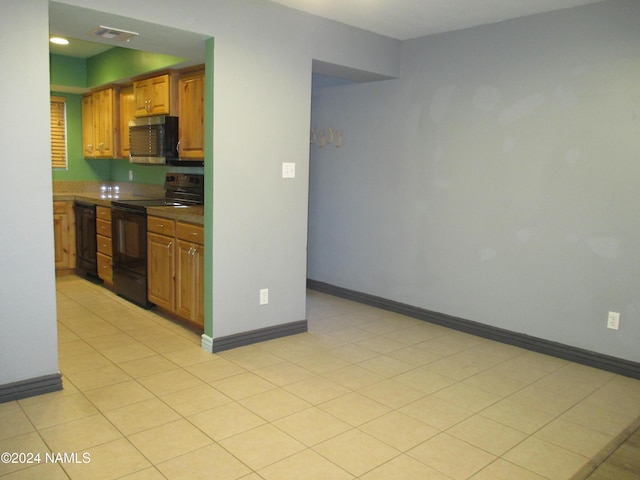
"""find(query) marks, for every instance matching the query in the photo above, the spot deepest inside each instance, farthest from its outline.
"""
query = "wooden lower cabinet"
(160, 271)
(105, 268)
(64, 235)
(103, 244)
(176, 267)
(190, 281)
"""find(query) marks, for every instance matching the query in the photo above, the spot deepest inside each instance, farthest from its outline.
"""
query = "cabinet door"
(160, 269)
(127, 112)
(190, 281)
(152, 96)
(141, 92)
(160, 101)
(58, 228)
(198, 255)
(191, 114)
(62, 235)
(87, 126)
(104, 124)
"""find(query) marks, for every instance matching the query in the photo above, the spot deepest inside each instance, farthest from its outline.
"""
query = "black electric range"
(181, 189)
(129, 233)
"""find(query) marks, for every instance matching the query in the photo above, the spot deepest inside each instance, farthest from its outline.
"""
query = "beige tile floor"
(364, 394)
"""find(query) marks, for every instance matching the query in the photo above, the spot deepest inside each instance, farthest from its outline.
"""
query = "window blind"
(58, 133)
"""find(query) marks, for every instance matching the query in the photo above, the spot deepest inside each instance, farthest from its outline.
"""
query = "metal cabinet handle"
(169, 248)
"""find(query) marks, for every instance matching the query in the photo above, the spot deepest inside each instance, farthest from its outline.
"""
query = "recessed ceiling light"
(59, 41)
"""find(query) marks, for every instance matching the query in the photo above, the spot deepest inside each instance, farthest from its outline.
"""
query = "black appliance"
(86, 263)
(129, 233)
(154, 141)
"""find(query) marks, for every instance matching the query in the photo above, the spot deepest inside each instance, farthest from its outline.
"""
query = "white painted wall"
(497, 180)
(28, 340)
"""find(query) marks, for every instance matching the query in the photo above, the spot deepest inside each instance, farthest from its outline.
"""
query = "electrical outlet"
(130, 175)
(264, 296)
(613, 320)
(288, 170)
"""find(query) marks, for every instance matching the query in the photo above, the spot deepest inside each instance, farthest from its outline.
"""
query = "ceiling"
(406, 19)
(77, 24)
(399, 19)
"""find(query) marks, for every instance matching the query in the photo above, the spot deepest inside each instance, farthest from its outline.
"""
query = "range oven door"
(129, 240)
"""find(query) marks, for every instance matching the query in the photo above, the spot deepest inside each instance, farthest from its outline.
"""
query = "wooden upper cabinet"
(105, 121)
(99, 123)
(153, 96)
(191, 115)
(127, 112)
(106, 113)
(87, 125)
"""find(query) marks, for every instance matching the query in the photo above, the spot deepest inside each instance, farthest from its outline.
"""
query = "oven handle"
(123, 209)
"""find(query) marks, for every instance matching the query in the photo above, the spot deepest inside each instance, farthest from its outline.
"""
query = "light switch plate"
(288, 170)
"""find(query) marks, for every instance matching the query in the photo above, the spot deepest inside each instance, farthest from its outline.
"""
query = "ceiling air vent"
(109, 33)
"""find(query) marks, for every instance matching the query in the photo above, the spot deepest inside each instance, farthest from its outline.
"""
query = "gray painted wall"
(28, 342)
(262, 95)
(497, 180)
(262, 89)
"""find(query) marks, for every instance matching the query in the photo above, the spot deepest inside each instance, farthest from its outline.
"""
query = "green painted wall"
(208, 187)
(121, 63)
(67, 71)
(151, 174)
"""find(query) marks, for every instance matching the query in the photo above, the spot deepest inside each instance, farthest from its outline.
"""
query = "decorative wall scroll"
(322, 138)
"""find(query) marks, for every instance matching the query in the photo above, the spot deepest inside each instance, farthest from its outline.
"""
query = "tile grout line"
(323, 350)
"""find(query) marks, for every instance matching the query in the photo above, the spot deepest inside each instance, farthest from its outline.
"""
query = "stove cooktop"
(181, 190)
(149, 202)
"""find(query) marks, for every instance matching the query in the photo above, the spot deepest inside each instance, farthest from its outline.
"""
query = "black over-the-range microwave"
(154, 141)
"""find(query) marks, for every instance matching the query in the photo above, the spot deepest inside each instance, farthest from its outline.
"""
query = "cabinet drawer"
(103, 227)
(164, 226)
(190, 232)
(104, 245)
(105, 270)
(59, 208)
(104, 213)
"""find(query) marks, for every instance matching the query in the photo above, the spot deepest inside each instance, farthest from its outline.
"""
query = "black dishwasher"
(86, 239)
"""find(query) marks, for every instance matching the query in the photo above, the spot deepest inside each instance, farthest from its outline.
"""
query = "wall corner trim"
(30, 387)
(559, 350)
(259, 335)
(206, 343)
